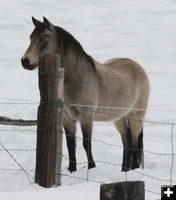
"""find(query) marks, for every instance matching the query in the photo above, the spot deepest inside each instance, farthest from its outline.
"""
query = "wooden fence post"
(49, 129)
(130, 190)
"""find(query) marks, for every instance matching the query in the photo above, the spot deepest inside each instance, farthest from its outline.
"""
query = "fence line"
(37, 101)
(29, 131)
(81, 138)
(30, 102)
(25, 131)
(74, 177)
(121, 108)
(105, 107)
(172, 148)
(15, 161)
(97, 161)
(24, 100)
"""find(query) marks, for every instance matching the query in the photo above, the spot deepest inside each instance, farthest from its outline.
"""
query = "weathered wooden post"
(129, 190)
(49, 128)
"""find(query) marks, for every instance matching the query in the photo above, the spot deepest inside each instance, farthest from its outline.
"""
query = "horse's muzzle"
(25, 63)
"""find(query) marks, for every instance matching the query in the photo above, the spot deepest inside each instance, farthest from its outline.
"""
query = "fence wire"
(32, 131)
(11, 101)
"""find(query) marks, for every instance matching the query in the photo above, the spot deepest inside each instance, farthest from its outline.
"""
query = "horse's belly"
(108, 114)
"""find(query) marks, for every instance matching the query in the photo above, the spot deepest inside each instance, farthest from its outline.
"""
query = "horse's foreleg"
(124, 128)
(70, 130)
(86, 127)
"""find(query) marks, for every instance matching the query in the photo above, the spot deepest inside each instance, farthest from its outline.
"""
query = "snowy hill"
(142, 30)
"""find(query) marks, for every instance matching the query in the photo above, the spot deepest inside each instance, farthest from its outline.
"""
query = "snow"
(77, 191)
(142, 30)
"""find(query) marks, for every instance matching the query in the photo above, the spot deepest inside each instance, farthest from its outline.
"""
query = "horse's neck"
(79, 79)
(75, 67)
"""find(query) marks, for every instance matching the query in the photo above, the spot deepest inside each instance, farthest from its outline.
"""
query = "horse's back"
(116, 60)
(124, 69)
(127, 69)
(122, 65)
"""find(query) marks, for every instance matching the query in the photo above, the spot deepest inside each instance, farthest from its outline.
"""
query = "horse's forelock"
(38, 30)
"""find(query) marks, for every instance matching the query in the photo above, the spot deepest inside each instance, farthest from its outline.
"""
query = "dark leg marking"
(87, 146)
(71, 145)
(137, 154)
(87, 134)
(127, 152)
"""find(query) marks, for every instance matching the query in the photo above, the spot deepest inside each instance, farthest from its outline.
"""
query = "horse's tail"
(140, 147)
(133, 156)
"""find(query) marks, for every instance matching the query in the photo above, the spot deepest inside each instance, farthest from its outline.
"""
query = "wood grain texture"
(49, 130)
(17, 122)
(130, 190)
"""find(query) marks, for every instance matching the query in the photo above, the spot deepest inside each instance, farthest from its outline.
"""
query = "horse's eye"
(41, 39)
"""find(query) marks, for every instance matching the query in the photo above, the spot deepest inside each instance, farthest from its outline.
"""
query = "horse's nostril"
(25, 62)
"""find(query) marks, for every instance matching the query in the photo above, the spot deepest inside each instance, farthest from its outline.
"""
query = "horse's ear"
(48, 23)
(36, 22)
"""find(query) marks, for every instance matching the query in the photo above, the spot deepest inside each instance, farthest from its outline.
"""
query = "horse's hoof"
(135, 165)
(125, 169)
(91, 165)
(72, 169)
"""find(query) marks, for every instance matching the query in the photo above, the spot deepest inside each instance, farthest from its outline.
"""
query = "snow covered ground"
(142, 30)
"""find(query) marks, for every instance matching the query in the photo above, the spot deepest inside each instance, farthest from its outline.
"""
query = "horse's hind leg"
(123, 127)
(70, 131)
(86, 126)
(136, 126)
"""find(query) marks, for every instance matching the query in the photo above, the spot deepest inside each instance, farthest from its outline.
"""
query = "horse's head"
(43, 40)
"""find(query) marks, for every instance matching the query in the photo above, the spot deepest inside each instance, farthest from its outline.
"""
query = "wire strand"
(27, 175)
(172, 148)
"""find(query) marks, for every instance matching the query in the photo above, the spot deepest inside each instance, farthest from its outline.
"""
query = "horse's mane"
(69, 42)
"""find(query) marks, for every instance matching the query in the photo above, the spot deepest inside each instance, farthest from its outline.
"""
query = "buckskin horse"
(116, 90)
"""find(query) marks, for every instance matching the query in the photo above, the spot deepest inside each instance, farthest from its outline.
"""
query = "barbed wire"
(27, 175)
(153, 192)
(71, 176)
(13, 169)
(22, 131)
(89, 179)
(18, 149)
(119, 108)
(92, 180)
(172, 158)
(104, 162)
(21, 100)
(23, 149)
(153, 199)
(18, 103)
(74, 177)
(102, 107)
(27, 131)
(31, 102)
(38, 101)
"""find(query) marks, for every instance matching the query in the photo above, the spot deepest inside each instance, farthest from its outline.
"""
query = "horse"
(117, 90)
